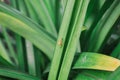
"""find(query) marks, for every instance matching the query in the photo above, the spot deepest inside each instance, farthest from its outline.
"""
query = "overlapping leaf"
(27, 28)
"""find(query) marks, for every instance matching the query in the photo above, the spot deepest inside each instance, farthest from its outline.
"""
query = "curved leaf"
(16, 75)
(104, 26)
(27, 28)
(89, 60)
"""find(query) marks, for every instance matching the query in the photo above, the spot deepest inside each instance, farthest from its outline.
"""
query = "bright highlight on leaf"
(89, 60)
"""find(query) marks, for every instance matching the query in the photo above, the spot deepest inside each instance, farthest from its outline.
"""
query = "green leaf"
(4, 63)
(30, 58)
(51, 11)
(89, 60)
(61, 9)
(104, 26)
(10, 46)
(83, 77)
(38, 67)
(93, 16)
(92, 75)
(116, 51)
(60, 42)
(19, 40)
(44, 16)
(16, 74)
(114, 75)
(3, 53)
(13, 3)
(13, 20)
(31, 12)
(68, 39)
(21, 53)
(21, 6)
(73, 37)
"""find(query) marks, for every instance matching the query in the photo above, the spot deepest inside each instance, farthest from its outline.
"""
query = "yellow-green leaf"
(89, 60)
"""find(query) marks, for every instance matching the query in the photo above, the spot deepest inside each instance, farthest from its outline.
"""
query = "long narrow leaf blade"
(73, 38)
(16, 75)
(28, 29)
(44, 16)
(60, 42)
(104, 26)
(10, 46)
(3, 52)
(116, 51)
